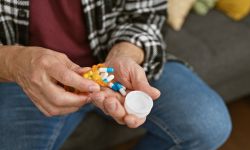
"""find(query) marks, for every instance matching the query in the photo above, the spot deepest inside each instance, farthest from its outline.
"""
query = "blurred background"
(214, 37)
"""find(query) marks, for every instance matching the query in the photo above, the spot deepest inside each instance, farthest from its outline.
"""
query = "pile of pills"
(104, 77)
(136, 103)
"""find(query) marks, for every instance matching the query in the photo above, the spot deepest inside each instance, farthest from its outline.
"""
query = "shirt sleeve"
(141, 23)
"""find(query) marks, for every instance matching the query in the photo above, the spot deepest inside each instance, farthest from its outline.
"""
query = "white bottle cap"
(138, 103)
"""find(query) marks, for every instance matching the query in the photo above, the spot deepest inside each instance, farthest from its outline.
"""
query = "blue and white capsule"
(108, 70)
(104, 75)
(109, 78)
(113, 86)
(123, 92)
(120, 88)
(119, 85)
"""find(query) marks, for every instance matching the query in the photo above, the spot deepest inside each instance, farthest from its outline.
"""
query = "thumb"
(83, 70)
(74, 67)
(147, 88)
(140, 82)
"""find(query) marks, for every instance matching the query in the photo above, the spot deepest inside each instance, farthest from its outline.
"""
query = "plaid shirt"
(139, 22)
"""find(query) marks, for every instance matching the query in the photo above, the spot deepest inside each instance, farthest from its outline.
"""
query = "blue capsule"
(113, 87)
(109, 78)
(108, 70)
(119, 85)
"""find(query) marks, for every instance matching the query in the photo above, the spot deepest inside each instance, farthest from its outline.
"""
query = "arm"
(7, 55)
(140, 24)
(136, 40)
(126, 49)
(125, 59)
(38, 70)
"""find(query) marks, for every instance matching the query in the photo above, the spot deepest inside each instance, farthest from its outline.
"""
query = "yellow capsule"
(94, 74)
(86, 75)
(96, 77)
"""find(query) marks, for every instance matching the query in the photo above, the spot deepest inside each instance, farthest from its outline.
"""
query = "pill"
(119, 85)
(109, 78)
(122, 91)
(104, 75)
(113, 86)
(109, 70)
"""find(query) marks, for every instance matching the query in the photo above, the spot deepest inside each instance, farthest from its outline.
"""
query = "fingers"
(109, 92)
(49, 110)
(82, 70)
(114, 109)
(112, 105)
(57, 96)
(43, 110)
(97, 99)
(117, 111)
(151, 91)
(70, 78)
(71, 65)
(140, 82)
(52, 99)
(133, 122)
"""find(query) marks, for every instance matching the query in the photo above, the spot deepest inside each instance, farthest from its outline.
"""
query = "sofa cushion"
(177, 12)
(219, 50)
(236, 9)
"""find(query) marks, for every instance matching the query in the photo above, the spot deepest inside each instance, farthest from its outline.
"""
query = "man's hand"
(38, 71)
(132, 76)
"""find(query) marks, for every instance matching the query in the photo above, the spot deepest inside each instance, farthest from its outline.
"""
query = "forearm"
(7, 55)
(126, 49)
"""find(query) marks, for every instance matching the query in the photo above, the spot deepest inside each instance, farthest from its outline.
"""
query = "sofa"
(219, 51)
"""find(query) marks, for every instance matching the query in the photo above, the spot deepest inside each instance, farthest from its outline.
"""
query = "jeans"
(188, 115)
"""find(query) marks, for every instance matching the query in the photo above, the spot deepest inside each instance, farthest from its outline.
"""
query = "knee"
(210, 130)
(212, 137)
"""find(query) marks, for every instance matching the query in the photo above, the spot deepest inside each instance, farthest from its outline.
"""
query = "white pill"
(109, 78)
(124, 87)
(123, 92)
(104, 75)
(112, 86)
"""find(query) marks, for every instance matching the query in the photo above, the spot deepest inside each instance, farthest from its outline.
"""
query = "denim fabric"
(189, 115)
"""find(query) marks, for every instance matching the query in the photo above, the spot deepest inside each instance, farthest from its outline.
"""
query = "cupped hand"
(133, 77)
(38, 71)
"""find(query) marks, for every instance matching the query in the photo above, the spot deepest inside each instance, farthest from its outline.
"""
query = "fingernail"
(158, 91)
(111, 106)
(94, 88)
(130, 122)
